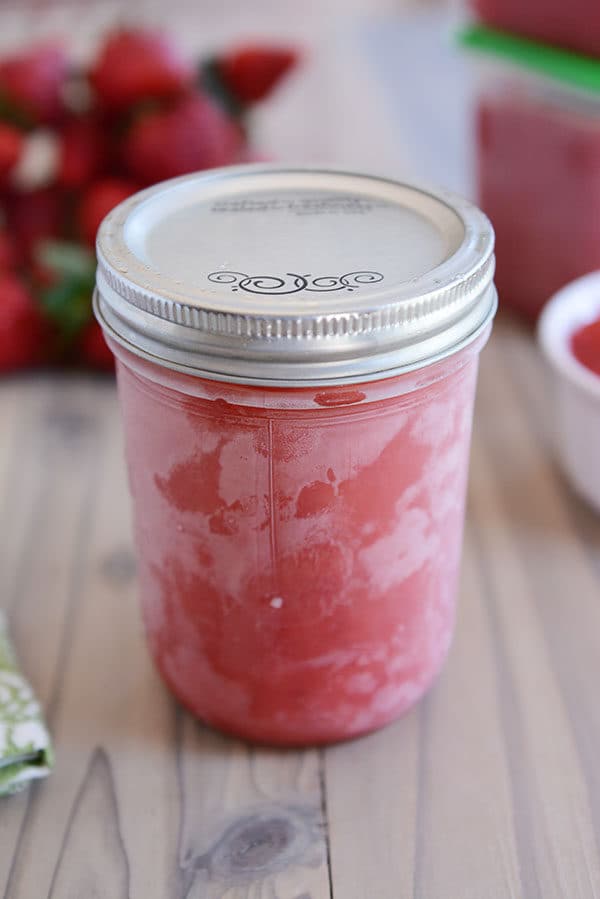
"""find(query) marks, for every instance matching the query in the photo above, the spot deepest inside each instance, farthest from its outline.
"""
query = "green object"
(67, 259)
(210, 78)
(67, 300)
(25, 749)
(571, 69)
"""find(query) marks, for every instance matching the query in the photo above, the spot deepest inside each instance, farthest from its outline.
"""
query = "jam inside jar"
(297, 440)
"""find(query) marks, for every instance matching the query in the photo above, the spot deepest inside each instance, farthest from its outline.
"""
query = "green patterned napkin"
(25, 750)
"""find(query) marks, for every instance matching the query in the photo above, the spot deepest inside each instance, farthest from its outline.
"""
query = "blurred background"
(498, 100)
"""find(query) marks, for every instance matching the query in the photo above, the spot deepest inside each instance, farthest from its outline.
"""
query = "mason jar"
(297, 355)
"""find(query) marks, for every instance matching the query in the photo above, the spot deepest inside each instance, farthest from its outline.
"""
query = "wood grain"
(255, 828)
(372, 799)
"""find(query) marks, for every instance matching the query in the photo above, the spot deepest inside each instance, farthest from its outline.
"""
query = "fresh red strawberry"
(93, 349)
(24, 333)
(32, 82)
(8, 256)
(11, 145)
(34, 216)
(135, 64)
(83, 152)
(98, 200)
(193, 134)
(251, 71)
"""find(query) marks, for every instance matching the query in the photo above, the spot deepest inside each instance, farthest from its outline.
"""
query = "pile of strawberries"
(75, 143)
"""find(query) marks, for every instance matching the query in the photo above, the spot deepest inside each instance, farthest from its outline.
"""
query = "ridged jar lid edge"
(362, 376)
(388, 275)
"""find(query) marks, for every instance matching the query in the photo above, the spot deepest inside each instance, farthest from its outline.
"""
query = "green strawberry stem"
(66, 258)
(13, 114)
(67, 300)
(210, 78)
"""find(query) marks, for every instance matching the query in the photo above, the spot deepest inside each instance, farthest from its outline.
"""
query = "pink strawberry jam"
(298, 566)
(585, 343)
(539, 181)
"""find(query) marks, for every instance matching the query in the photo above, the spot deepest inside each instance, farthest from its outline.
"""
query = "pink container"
(574, 25)
(298, 535)
(539, 181)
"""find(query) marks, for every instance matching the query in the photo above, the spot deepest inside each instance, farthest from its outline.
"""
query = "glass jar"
(539, 181)
(538, 164)
(297, 356)
(574, 25)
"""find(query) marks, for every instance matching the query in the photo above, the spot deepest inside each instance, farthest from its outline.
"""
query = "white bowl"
(576, 390)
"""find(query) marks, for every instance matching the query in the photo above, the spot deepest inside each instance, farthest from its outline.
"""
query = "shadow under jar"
(297, 356)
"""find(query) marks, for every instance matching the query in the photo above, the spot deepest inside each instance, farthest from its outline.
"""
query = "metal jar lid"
(294, 276)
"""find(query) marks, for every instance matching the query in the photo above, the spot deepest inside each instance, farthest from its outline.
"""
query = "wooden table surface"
(489, 789)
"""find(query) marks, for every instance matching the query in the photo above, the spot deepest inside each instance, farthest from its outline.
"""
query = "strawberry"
(97, 201)
(93, 349)
(24, 332)
(32, 82)
(83, 152)
(11, 146)
(135, 65)
(8, 256)
(34, 216)
(250, 72)
(193, 134)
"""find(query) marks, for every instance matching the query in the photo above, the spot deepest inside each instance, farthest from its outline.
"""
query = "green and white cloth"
(25, 749)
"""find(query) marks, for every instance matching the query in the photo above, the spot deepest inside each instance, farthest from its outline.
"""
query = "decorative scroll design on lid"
(277, 285)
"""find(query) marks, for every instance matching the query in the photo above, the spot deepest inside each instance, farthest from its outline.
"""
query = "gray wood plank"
(372, 798)
(252, 823)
